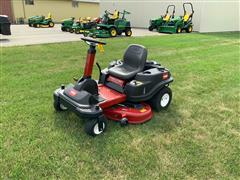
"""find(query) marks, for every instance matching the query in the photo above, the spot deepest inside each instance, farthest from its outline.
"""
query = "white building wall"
(220, 16)
(209, 16)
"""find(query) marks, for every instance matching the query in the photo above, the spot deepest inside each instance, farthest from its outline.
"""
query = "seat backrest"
(186, 17)
(115, 15)
(49, 16)
(88, 19)
(166, 17)
(135, 56)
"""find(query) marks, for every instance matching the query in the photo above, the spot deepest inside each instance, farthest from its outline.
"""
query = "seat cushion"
(123, 72)
(134, 60)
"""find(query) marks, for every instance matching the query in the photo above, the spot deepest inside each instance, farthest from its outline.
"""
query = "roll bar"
(107, 12)
(173, 12)
(124, 13)
(184, 8)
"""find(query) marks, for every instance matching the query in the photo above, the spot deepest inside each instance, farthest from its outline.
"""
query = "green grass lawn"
(197, 137)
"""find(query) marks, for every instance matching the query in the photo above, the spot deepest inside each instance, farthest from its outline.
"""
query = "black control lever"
(99, 68)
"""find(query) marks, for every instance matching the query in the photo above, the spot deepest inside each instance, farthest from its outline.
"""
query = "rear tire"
(162, 99)
(189, 29)
(128, 32)
(71, 30)
(92, 127)
(51, 24)
(63, 29)
(179, 30)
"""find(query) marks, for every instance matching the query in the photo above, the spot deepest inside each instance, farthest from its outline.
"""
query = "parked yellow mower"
(156, 23)
(180, 23)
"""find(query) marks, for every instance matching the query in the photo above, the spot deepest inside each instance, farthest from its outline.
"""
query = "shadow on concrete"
(4, 40)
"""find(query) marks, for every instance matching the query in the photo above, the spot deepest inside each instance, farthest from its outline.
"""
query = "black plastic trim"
(78, 109)
(150, 94)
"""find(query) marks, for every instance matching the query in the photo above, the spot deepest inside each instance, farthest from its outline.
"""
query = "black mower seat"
(134, 61)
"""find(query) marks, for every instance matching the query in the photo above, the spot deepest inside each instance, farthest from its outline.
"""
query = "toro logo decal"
(73, 92)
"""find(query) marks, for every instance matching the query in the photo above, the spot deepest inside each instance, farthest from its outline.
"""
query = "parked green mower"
(41, 21)
(84, 25)
(32, 19)
(156, 23)
(67, 24)
(180, 23)
(112, 26)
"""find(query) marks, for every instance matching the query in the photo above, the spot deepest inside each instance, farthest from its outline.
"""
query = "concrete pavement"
(24, 35)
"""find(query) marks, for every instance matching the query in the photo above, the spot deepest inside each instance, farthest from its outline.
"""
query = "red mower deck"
(137, 114)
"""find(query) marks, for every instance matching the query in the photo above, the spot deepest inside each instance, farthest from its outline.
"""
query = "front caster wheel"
(95, 127)
(77, 31)
(162, 99)
(67, 29)
(58, 106)
(150, 28)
